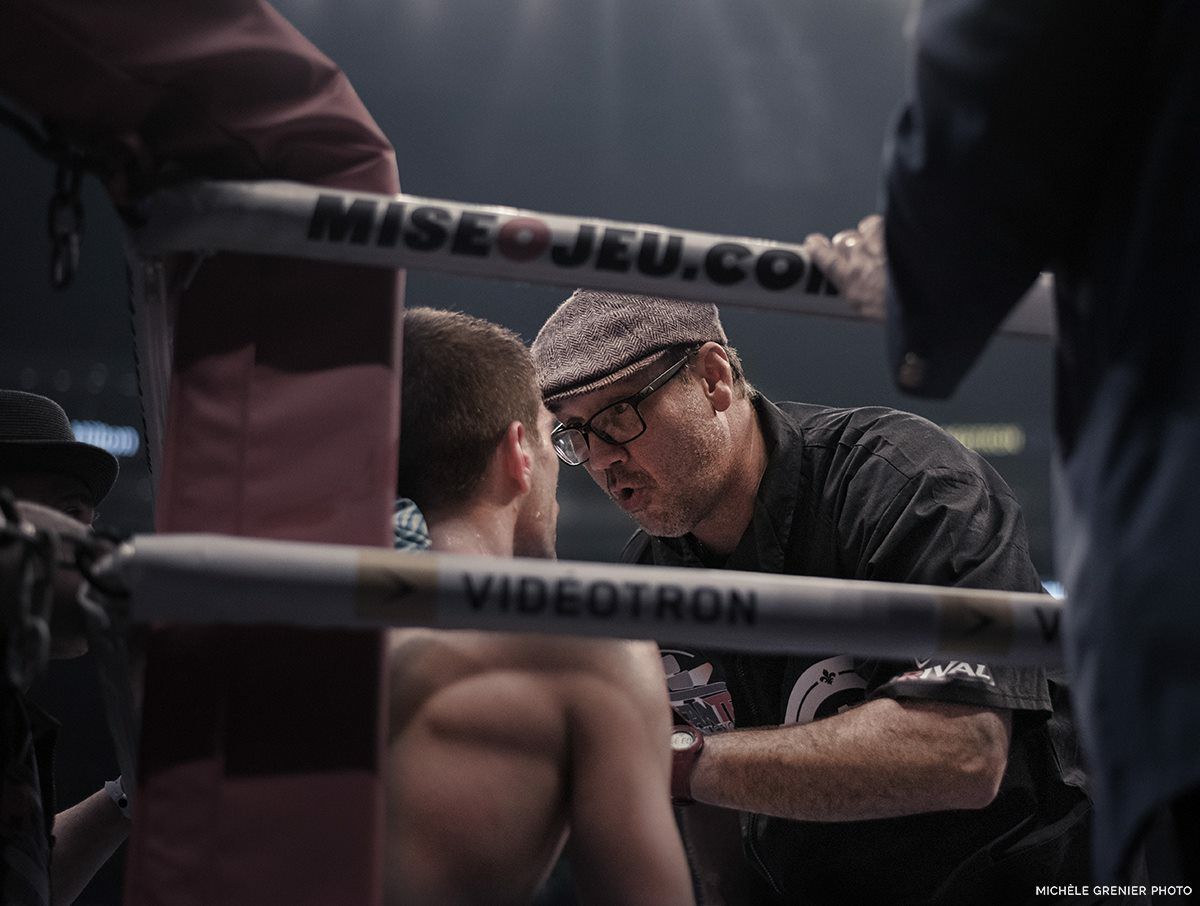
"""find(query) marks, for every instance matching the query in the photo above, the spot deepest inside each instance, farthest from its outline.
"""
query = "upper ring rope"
(282, 218)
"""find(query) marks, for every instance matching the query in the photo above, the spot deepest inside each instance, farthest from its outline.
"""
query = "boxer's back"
(499, 743)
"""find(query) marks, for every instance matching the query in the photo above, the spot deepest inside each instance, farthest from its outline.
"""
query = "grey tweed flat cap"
(597, 338)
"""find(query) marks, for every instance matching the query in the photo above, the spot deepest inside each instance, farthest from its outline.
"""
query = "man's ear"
(516, 465)
(712, 365)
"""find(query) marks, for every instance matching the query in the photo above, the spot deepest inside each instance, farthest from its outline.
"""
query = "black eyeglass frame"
(634, 401)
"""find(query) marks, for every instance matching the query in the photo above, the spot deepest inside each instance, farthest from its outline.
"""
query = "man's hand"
(856, 262)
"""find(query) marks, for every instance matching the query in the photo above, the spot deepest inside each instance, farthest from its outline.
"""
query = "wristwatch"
(116, 792)
(686, 745)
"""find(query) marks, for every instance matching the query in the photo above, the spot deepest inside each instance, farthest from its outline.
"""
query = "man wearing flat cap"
(862, 780)
(58, 482)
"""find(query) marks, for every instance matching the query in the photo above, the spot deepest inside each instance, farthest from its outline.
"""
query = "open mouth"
(626, 495)
(630, 498)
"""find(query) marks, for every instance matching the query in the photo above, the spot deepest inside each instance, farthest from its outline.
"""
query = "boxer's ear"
(516, 465)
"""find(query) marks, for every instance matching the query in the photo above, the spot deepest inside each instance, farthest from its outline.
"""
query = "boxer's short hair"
(465, 380)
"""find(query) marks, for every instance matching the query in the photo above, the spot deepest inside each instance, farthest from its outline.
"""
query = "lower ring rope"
(217, 579)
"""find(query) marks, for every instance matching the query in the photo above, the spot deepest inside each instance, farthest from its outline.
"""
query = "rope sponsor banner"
(217, 579)
(403, 231)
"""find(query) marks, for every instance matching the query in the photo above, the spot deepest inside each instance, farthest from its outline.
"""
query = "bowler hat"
(35, 435)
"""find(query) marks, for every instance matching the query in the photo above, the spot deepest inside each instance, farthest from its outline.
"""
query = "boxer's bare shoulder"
(499, 743)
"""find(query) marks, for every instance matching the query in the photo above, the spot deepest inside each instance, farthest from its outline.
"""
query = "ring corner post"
(261, 747)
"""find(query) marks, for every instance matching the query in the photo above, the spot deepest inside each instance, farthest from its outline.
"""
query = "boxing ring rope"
(274, 217)
(405, 231)
(216, 579)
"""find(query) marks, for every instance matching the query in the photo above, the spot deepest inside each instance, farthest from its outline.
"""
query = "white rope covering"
(217, 579)
(281, 218)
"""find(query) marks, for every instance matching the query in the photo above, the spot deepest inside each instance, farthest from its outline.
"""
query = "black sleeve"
(951, 525)
(955, 528)
(962, 682)
(942, 527)
(992, 167)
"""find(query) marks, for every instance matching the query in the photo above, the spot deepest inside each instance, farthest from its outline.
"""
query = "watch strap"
(683, 762)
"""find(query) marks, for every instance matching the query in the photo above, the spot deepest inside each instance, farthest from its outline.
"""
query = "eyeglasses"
(617, 423)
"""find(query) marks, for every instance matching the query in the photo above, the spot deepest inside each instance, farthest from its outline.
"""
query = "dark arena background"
(759, 119)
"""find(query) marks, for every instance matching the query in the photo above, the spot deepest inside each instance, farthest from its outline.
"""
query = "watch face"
(681, 740)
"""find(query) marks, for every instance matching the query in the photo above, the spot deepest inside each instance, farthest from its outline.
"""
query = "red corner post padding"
(261, 748)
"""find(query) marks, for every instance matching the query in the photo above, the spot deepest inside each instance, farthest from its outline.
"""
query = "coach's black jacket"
(879, 494)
